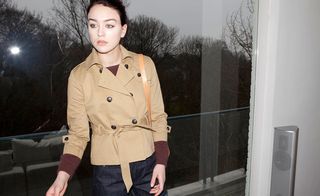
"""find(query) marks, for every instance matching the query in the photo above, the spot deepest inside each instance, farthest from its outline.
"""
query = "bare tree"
(24, 77)
(194, 45)
(190, 45)
(4, 6)
(239, 29)
(150, 36)
(71, 17)
(3, 3)
(17, 27)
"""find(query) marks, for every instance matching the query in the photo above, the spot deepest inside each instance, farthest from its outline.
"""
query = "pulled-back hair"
(114, 4)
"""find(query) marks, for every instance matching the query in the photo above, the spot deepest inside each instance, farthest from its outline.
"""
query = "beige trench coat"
(115, 108)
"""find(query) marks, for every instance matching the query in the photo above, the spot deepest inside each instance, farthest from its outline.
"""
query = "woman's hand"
(159, 176)
(58, 188)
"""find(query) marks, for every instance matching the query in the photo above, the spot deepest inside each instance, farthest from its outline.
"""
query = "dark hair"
(114, 4)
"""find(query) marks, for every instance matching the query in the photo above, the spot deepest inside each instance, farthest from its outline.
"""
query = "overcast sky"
(192, 17)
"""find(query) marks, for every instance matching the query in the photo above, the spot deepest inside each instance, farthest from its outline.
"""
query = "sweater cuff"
(69, 163)
(162, 152)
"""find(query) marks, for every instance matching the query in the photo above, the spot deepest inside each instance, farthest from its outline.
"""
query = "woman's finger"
(160, 186)
(153, 179)
(155, 189)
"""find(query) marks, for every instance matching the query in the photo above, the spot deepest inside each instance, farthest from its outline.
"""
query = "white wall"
(287, 90)
(297, 86)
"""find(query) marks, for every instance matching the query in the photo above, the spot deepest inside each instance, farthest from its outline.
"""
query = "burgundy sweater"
(69, 163)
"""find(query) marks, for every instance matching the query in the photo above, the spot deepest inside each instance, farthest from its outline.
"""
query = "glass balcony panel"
(202, 51)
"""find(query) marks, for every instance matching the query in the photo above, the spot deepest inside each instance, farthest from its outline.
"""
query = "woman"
(128, 155)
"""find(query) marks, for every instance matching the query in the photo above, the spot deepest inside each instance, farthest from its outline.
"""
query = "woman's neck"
(111, 58)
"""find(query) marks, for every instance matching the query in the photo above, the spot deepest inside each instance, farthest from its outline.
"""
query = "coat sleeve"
(78, 134)
(158, 115)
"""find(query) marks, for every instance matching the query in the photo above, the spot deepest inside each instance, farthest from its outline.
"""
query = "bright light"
(14, 50)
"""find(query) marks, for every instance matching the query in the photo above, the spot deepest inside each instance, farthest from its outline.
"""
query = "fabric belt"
(124, 163)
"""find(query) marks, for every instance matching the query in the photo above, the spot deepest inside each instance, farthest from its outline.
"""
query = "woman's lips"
(101, 42)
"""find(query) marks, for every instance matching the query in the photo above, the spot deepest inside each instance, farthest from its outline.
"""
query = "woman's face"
(105, 29)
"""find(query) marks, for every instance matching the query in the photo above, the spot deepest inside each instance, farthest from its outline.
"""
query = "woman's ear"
(124, 30)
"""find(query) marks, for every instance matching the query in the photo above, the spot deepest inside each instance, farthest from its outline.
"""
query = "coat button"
(100, 70)
(131, 94)
(113, 127)
(139, 74)
(109, 99)
(134, 121)
(66, 138)
(126, 66)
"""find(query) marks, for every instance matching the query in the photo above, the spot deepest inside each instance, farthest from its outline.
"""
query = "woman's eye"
(109, 26)
(92, 25)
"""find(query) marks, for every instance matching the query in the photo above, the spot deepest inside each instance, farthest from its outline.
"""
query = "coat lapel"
(124, 75)
(109, 81)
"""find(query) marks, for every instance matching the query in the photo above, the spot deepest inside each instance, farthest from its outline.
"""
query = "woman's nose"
(100, 31)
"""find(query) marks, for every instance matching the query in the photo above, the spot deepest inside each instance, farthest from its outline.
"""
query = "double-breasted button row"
(127, 67)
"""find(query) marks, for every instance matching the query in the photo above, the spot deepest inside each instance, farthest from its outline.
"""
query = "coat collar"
(93, 58)
(124, 75)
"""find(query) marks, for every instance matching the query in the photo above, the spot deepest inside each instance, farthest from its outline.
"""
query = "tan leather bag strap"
(146, 86)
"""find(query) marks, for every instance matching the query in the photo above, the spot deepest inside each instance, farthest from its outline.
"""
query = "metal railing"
(202, 145)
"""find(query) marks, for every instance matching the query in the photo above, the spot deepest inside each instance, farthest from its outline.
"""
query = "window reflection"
(205, 82)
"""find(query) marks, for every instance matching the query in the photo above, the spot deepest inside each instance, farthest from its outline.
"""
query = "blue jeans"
(107, 180)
